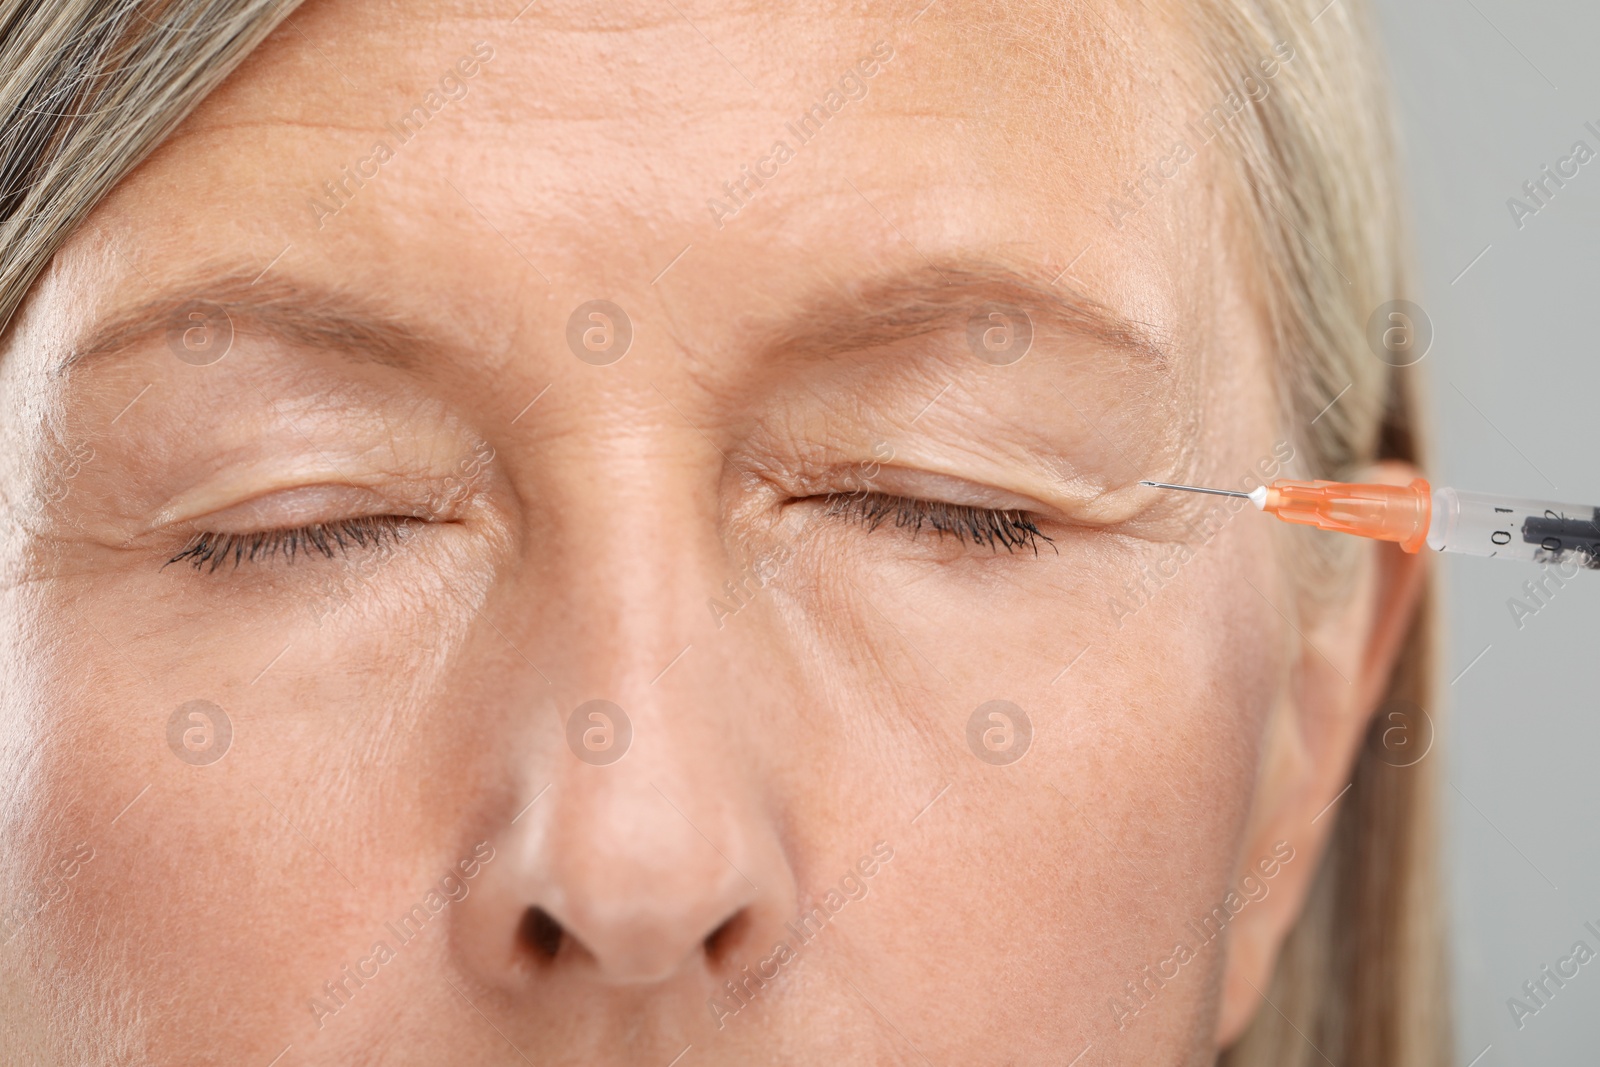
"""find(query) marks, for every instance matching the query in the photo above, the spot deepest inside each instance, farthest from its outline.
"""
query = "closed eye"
(211, 550)
(995, 527)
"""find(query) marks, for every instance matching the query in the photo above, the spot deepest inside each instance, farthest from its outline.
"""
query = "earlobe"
(1341, 677)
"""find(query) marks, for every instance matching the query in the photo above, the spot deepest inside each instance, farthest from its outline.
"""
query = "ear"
(1340, 678)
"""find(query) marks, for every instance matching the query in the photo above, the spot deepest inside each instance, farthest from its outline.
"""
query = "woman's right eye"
(208, 551)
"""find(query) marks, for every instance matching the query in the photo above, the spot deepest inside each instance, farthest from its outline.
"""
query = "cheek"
(92, 774)
(265, 864)
(1056, 874)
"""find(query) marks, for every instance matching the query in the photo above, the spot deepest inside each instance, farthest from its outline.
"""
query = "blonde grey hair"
(88, 88)
(1362, 976)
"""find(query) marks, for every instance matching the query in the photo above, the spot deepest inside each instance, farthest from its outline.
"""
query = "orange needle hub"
(1383, 512)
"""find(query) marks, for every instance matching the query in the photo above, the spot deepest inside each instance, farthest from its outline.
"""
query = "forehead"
(498, 161)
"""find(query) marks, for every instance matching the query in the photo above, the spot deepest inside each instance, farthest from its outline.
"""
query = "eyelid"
(918, 484)
(422, 486)
(243, 485)
(302, 505)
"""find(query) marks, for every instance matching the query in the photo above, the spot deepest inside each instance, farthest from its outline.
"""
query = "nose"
(637, 887)
(656, 866)
(654, 852)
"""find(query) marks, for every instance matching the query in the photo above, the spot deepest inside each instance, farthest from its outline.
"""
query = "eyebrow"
(843, 316)
(304, 314)
(851, 316)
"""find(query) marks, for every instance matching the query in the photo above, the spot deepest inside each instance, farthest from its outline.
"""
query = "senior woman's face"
(779, 380)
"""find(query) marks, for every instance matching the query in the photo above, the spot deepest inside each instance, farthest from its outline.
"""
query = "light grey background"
(1489, 92)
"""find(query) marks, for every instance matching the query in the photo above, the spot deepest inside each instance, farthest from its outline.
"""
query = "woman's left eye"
(995, 527)
(208, 551)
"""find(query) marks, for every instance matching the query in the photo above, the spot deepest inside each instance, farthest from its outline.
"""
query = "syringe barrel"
(1540, 531)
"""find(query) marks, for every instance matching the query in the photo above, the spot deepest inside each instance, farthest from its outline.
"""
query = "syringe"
(1446, 520)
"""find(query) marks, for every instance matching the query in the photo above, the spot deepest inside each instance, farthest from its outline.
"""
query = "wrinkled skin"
(657, 531)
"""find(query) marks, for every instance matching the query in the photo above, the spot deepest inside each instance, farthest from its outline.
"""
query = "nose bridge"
(633, 539)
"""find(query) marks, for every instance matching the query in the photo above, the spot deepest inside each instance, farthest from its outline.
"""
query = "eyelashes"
(993, 527)
(208, 551)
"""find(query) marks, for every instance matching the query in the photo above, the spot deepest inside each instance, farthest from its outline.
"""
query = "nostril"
(721, 940)
(541, 932)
